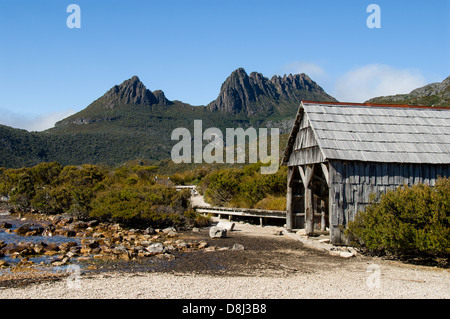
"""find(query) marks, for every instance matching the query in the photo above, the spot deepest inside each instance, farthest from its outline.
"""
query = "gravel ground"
(270, 267)
(395, 282)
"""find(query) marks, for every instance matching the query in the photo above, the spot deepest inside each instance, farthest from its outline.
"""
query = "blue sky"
(188, 48)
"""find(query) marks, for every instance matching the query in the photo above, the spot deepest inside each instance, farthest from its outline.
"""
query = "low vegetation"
(246, 187)
(129, 195)
(410, 221)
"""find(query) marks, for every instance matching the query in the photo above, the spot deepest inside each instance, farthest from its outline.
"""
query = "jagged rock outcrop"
(131, 91)
(250, 94)
(434, 94)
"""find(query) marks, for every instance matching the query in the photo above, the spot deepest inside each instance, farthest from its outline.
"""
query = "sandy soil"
(270, 266)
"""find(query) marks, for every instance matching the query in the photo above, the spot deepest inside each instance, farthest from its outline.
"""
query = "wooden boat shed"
(338, 154)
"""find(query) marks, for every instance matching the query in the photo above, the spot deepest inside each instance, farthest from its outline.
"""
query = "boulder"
(61, 262)
(5, 225)
(156, 248)
(346, 254)
(79, 225)
(149, 231)
(93, 223)
(90, 243)
(145, 243)
(278, 232)
(237, 247)
(122, 252)
(168, 230)
(51, 247)
(226, 225)
(25, 228)
(171, 234)
(202, 244)
(13, 248)
(24, 262)
(63, 220)
(217, 232)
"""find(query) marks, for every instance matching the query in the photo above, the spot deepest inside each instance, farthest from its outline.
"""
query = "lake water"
(17, 239)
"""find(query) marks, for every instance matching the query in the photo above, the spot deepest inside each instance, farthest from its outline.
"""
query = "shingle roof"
(379, 133)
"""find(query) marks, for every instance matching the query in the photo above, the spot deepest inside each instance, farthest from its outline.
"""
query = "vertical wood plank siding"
(352, 183)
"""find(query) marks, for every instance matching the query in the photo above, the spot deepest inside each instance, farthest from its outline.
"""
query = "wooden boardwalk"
(262, 214)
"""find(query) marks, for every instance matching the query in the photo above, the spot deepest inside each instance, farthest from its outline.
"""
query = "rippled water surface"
(17, 239)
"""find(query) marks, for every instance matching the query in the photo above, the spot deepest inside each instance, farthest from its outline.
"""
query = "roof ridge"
(378, 105)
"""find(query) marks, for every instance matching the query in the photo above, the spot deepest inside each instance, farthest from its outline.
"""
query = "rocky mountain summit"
(133, 91)
(130, 92)
(434, 94)
(132, 122)
(251, 94)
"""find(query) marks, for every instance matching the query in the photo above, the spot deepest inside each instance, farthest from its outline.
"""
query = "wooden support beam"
(325, 172)
(289, 199)
(290, 176)
(307, 174)
(322, 211)
(309, 211)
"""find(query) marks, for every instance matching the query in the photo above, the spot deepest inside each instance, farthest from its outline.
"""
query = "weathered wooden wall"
(352, 182)
(305, 148)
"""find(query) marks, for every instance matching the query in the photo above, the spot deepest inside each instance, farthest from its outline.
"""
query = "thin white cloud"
(375, 80)
(32, 123)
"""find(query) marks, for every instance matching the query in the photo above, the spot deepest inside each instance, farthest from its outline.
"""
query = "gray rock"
(168, 230)
(278, 232)
(225, 225)
(156, 248)
(217, 232)
(237, 247)
(149, 231)
(346, 254)
(146, 243)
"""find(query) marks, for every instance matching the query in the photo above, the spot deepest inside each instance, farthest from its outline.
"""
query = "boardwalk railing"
(243, 212)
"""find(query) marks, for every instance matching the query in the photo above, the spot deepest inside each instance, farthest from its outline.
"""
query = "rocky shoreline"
(88, 240)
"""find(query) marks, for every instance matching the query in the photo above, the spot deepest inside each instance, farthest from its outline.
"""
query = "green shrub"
(126, 195)
(157, 206)
(272, 203)
(243, 187)
(411, 221)
(197, 220)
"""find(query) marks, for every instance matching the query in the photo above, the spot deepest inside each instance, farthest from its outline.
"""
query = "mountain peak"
(134, 78)
(251, 94)
(131, 91)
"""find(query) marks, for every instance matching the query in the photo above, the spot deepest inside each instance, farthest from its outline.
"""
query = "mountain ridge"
(433, 94)
(241, 92)
(129, 121)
